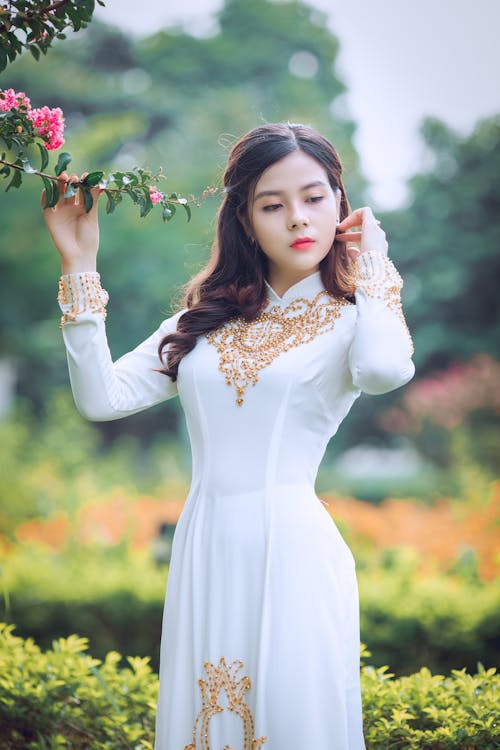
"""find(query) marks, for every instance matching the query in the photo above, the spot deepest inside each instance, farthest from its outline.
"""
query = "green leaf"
(169, 212)
(87, 198)
(49, 192)
(187, 209)
(62, 162)
(93, 179)
(5, 171)
(111, 203)
(34, 51)
(3, 59)
(45, 156)
(16, 180)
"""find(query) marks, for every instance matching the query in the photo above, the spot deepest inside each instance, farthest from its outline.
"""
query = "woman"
(276, 339)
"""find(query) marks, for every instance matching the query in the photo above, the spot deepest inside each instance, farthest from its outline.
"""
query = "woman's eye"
(315, 198)
(272, 207)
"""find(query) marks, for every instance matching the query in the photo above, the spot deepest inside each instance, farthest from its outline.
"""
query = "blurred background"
(409, 97)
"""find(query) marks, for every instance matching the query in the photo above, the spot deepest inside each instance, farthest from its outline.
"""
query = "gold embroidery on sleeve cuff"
(223, 677)
(81, 292)
(377, 276)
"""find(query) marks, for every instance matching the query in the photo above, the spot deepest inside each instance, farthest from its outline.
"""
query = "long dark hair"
(232, 283)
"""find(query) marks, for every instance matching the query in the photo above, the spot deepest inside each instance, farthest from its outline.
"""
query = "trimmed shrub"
(64, 698)
(115, 598)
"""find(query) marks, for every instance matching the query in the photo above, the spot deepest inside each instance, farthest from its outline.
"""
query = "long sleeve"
(381, 350)
(103, 389)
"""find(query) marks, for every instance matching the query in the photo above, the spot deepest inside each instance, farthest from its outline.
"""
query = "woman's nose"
(298, 217)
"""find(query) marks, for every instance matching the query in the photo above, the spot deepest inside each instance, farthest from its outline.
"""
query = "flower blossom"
(10, 100)
(156, 196)
(50, 125)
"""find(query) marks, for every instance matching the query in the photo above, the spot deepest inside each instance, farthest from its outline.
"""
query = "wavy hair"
(232, 283)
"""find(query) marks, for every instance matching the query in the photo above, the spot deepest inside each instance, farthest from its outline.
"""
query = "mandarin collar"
(307, 287)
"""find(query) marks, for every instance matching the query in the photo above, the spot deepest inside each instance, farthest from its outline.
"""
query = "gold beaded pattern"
(224, 677)
(82, 292)
(246, 347)
(381, 280)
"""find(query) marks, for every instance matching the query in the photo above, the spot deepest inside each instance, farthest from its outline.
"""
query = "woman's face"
(293, 217)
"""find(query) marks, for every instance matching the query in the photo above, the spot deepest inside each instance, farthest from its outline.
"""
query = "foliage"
(64, 698)
(114, 596)
(33, 24)
(44, 475)
(462, 400)
(446, 240)
(128, 102)
(426, 711)
(446, 536)
(22, 128)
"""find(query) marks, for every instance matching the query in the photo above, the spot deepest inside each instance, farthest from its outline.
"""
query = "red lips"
(302, 243)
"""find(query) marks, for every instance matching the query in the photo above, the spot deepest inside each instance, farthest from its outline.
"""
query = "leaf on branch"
(87, 198)
(51, 192)
(169, 212)
(111, 203)
(3, 59)
(45, 156)
(145, 202)
(5, 171)
(93, 179)
(16, 181)
(187, 209)
(62, 162)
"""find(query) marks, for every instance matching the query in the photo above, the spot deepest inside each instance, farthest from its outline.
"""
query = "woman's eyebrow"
(264, 193)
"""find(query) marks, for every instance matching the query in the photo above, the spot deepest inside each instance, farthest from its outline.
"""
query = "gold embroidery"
(380, 279)
(82, 291)
(221, 677)
(245, 348)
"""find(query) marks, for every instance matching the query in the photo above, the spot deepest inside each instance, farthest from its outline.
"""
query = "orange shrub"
(439, 533)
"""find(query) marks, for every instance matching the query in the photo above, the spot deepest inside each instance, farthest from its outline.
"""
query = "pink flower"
(10, 100)
(50, 125)
(155, 195)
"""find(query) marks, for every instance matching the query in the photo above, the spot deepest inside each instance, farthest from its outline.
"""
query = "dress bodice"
(262, 398)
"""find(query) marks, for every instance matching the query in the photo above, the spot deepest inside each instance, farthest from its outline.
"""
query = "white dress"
(260, 640)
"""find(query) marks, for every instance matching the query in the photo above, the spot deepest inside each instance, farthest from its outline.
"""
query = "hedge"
(64, 698)
(116, 601)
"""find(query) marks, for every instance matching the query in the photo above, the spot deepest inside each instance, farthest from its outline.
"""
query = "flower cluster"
(10, 100)
(156, 196)
(48, 123)
(50, 126)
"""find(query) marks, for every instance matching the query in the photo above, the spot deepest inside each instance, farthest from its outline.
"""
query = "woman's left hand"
(369, 235)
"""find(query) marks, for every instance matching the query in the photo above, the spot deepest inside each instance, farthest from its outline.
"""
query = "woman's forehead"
(296, 171)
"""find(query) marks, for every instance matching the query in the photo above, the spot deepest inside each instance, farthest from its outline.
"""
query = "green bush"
(64, 698)
(438, 621)
(115, 598)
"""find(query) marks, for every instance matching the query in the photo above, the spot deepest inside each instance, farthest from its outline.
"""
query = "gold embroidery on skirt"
(222, 677)
(246, 347)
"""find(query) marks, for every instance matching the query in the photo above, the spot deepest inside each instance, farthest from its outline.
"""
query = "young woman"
(277, 337)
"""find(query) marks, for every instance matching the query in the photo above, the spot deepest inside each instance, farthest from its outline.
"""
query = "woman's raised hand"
(369, 236)
(74, 232)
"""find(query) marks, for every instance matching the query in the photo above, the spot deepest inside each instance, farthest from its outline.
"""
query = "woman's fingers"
(348, 236)
(358, 218)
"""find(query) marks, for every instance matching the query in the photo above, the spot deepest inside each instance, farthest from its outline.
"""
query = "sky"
(401, 61)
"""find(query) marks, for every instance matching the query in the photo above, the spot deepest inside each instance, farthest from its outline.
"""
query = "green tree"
(446, 243)
(162, 100)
